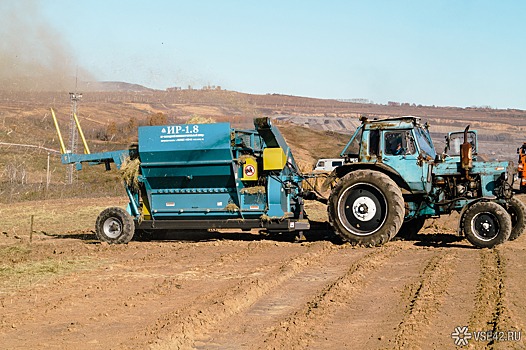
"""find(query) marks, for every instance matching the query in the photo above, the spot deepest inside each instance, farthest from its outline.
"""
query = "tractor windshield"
(424, 141)
(352, 149)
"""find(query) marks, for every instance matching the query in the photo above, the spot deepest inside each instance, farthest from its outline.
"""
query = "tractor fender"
(343, 170)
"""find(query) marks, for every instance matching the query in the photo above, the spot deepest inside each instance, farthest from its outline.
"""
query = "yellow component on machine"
(86, 148)
(62, 147)
(250, 170)
(145, 212)
(274, 159)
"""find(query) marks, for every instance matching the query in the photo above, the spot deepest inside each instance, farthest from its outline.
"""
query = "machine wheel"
(410, 228)
(366, 207)
(517, 211)
(486, 224)
(115, 226)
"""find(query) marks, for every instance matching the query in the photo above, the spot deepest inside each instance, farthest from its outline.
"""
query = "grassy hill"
(110, 120)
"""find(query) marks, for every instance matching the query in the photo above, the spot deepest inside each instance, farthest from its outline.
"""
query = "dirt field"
(237, 290)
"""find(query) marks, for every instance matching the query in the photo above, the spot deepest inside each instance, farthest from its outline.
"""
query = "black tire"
(366, 207)
(410, 229)
(114, 226)
(486, 224)
(517, 211)
(522, 188)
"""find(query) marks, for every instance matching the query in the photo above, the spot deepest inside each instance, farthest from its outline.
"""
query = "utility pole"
(73, 133)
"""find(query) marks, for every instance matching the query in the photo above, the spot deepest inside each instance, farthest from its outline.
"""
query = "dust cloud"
(34, 56)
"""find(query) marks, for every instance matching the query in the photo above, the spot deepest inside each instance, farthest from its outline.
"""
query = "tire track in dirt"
(457, 302)
(182, 327)
(116, 297)
(492, 312)
(294, 332)
(245, 329)
(425, 299)
(368, 318)
(514, 257)
(107, 278)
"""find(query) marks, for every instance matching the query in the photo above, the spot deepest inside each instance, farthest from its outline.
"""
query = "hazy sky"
(447, 53)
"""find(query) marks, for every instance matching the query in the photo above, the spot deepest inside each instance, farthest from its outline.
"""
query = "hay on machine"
(253, 190)
(130, 172)
(232, 207)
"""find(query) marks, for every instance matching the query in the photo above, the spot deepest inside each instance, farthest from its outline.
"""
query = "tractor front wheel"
(486, 224)
(366, 207)
(517, 211)
(114, 226)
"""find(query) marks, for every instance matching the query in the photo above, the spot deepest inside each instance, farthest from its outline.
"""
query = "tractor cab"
(401, 146)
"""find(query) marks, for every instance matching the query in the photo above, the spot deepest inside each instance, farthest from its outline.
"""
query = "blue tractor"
(397, 179)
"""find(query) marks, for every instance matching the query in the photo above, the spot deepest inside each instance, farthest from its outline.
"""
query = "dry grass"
(202, 110)
(265, 218)
(231, 207)
(56, 216)
(13, 277)
(253, 190)
(130, 172)
(14, 253)
(200, 120)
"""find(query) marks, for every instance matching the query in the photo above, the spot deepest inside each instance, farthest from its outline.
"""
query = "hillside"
(110, 119)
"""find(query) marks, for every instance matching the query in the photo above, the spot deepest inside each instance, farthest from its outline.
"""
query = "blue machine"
(398, 179)
(203, 176)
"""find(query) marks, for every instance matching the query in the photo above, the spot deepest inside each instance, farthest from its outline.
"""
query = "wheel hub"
(364, 208)
(112, 228)
(486, 226)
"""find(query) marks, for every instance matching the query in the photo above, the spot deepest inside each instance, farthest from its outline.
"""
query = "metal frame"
(285, 225)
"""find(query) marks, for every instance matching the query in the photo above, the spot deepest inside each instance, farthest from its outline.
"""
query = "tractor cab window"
(425, 142)
(374, 142)
(352, 149)
(456, 139)
(399, 143)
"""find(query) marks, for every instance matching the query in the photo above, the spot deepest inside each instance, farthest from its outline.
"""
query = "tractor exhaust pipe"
(466, 154)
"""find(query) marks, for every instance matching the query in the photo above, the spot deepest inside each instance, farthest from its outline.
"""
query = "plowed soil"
(244, 290)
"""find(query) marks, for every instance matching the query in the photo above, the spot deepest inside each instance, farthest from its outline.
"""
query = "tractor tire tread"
(389, 189)
(501, 214)
(128, 225)
(518, 220)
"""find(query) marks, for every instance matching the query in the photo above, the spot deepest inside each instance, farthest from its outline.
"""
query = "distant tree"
(111, 131)
(158, 119)
(132, 125)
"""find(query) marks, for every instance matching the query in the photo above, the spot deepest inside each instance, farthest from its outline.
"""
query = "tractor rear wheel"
(517, 211)
(115, 226)
(366, 207)
(486, 224)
